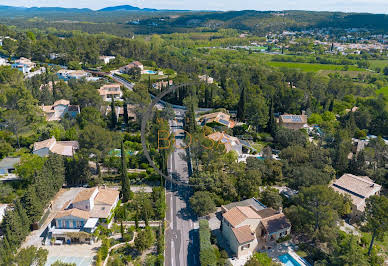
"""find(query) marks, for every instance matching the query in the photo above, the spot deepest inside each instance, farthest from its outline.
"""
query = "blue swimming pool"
(151, 72)
(288, 260)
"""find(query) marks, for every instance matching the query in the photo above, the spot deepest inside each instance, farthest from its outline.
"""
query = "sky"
(371, 6)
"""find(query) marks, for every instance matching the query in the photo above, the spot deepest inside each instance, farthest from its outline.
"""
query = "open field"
(384, 91)
(378, 63)
(314, 67)
(352, 74)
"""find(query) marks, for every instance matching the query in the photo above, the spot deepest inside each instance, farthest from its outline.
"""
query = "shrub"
(207, 255)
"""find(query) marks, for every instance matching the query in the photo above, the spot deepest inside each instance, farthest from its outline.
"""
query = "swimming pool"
(151, 72)
(288, 260)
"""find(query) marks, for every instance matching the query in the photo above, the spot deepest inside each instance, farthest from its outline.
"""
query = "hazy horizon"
(369, 6)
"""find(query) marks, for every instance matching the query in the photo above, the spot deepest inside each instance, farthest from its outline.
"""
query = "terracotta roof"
(73, 212)
(47, 108)
(106, 196)
(218, 117)
(225, 139)
(357, 187)
(62, 101)
(48, 143)
(268, 212)
(243, 234)
(84, 194)
(275, 223)
(239, 214)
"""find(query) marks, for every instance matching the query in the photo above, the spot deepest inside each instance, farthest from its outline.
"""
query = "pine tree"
(54, 88)
(125, 187)
(113, 116)
(241, 106)
(32, 204)
(122, 230)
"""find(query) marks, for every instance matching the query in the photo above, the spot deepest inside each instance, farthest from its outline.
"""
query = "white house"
(106, 59)
(206, 78)
(23, 64)
(59, 109)
(78, 220)
(67, 74)
(109, 91)
(126, 68)
(64, 148)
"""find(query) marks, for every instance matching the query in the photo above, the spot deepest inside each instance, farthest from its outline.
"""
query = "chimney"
(280, 209)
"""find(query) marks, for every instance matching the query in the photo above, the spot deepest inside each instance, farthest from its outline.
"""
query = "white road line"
(172, 250)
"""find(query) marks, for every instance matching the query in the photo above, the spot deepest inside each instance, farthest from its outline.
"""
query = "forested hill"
(124, 20)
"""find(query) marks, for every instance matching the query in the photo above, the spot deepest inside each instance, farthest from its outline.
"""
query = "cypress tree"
(272, 127)
(126, 115)
(125, 187)
(113, 116)
(241, 106)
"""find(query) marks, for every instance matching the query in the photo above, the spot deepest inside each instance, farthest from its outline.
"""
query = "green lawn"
(384, 91)
(314, 67)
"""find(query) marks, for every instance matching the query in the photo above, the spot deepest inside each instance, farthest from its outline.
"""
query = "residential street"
(182, 246)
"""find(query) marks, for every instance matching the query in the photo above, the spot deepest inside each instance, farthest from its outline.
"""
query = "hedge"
(207, 255)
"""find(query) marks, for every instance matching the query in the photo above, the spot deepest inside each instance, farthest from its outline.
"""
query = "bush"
(207, 255)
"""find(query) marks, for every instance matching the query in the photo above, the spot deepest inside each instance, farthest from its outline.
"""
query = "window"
(245, 246)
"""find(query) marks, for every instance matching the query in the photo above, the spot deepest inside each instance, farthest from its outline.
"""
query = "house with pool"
(249, 226)
(80, 217)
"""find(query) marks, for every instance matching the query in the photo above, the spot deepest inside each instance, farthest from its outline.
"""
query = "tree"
(202, 203)
(271, 198)
(125, 187)
(316, 211)
(207, 255)
(376, 217)
(113, 116)
(60, 263)
(144, 239)
(241, 108)
(272, 126)
(385, 71)
(260, 259)
(125, 114)
(16, 123)
(31, 256)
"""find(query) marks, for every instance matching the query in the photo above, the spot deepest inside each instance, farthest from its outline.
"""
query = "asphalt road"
(182, 243)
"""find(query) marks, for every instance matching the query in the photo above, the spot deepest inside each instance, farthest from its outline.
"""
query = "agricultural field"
(306, 67)
(378, 64)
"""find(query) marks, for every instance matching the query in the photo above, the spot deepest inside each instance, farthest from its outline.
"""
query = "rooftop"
(239, 214)
(73, 212)
(252, 202)
(85, 194)
(243, 234)
(9, 162)
(294, 119)
(275, 223)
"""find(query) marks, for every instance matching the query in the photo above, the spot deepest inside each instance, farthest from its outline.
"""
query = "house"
(206, 78)
(3, 61)
(7, 165)
(64, 148)
(131, 110)
(126, 68)
(59, 109)
(106, 58)
(358, 188)
(109, 91)
(23, 64)
(77, 221)
(162, 84)
(294, 122)
(67, 74)
(231, 143)
(249, 226)
(218, 118)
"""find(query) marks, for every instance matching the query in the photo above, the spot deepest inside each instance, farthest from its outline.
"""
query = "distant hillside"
(42, 9)
(125, 8)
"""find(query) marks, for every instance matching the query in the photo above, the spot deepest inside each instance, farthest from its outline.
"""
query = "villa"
(67, 74)
(359, 188)
(77, 221)
(64, 148)
(8, 165)
(294, 122)
(231, 143)
(59, 109)
(218, 118)
(109, 91)
(126, 68)
(206, 78)
(23, 64)
(106, 59)
(249, 226)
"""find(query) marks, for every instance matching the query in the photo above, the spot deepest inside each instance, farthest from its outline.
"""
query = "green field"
(378, 63)
(314, 67)
(384, 91)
